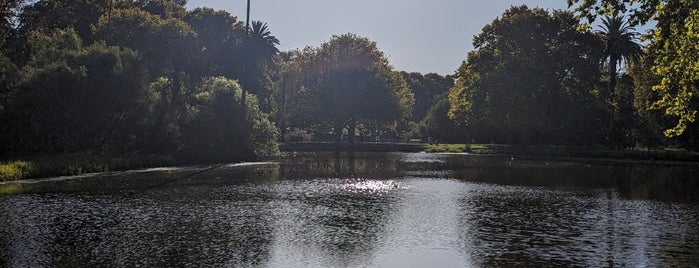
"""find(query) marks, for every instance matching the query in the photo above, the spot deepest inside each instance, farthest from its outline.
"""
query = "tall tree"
(261, 49)
(426, 88)
(218, 37)
(673, 45)
(350, 81)
(213, 132)
(61, 14)
(620, 45)
(167, 47)
(75, 98)
(531, 78)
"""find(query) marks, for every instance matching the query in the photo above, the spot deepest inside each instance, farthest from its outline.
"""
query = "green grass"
(666, 154)
(75, 164)
(14, 170)
(446, 148)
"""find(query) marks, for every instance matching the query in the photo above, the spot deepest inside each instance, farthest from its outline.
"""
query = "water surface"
(360, 210)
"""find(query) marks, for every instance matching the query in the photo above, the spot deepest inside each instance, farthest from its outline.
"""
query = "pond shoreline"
(51, 167)
(590, 154)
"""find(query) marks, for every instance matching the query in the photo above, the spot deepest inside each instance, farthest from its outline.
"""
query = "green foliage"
(218, 37)
(677, 62)
(532, 78)
(447, 148)
(164, 43)
(620, 45)
(46, 15)
(426, 88)
(349, 81)
(76, 164)
(437, 125)
(9, 76)
(259, 49)
(76, 98)
(651, 123)
(164, 8)
(217, 129)
(138, 84)
(14, 170)
(673, 46)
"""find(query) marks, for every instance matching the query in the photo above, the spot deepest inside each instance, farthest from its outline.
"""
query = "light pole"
(246, 51)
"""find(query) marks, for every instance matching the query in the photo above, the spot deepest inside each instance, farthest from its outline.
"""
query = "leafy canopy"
(531, 79)
(673, 46)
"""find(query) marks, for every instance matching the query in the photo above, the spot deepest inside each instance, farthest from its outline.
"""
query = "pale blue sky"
(416, 35)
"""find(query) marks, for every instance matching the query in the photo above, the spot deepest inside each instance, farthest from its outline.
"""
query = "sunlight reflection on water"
(388, 210)
(358, 185)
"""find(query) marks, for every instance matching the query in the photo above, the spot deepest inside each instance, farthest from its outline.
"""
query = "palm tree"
(261, 50)
(263, 45)
(620, 39)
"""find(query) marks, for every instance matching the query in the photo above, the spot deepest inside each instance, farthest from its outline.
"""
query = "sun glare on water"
(359, 185)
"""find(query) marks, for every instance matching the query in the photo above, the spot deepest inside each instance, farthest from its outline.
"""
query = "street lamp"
(245, 59)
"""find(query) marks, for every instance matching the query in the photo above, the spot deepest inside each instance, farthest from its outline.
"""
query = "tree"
(144, 86)
(166, 44)
(214, 133)
(673, 46)
(674, 43)
(437, 124)
(350, 81)
(261, 48)
(294, 101)
(619, 38)
(167, 47)
(61, 14)
(426, 88)
(73, 98)
(219, 36)
(166, 9)
(620, 46)
(532, 78)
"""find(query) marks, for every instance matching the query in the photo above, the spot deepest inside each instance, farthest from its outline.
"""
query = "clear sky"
(417, 35)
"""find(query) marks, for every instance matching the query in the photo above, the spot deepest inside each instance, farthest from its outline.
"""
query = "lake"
(360, 210)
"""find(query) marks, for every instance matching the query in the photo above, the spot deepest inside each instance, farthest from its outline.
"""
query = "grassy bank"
(667, 154)
(75, 164)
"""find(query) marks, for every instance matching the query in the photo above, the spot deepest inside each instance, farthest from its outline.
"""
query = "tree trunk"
(338, 131)
(282, 121)
(351, 128)
(613, 59)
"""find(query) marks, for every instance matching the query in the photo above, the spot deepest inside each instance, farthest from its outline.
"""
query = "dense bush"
(218, 129)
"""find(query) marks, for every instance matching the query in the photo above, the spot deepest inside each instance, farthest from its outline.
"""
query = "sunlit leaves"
(673, 45)
(677, 62)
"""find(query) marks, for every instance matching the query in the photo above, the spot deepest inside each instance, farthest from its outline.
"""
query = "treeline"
(149, 76)
(540, 77)
(133, 76)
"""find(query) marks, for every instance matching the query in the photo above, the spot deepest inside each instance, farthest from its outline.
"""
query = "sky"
(427, 36)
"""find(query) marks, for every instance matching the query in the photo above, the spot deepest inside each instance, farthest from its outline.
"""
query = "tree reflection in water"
(360, 209)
